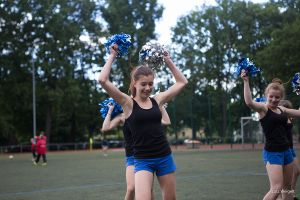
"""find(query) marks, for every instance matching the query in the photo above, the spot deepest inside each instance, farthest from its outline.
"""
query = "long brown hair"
(135, 75)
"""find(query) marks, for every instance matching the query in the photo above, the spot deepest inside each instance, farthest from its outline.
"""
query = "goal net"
(251, 130)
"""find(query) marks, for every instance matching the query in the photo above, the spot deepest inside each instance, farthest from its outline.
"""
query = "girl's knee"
(276, 189)
(130, 189)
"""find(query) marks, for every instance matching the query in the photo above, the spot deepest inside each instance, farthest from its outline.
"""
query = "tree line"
(61, 40)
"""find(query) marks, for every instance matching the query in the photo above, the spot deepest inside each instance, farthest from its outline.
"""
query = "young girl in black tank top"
(119, 120)
(273, 118)
(149, 140)
(141, 87)
(274, 128)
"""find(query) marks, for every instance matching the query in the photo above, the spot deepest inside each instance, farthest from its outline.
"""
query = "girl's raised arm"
(109, 123)
(106, 84)
(258, 107)
(180, 82)
(291, 112)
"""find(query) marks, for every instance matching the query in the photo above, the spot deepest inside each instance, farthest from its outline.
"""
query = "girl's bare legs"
(143, 184)
(275, 174)
(287, 192)
(296, 172)
(152, 188)
(130, 183)
(168, 186)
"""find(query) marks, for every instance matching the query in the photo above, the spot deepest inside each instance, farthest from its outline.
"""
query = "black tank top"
(274, 128)
(289, 128)
(149, 140)
(128, 139)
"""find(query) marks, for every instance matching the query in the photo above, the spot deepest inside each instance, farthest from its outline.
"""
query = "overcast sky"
(175, 9)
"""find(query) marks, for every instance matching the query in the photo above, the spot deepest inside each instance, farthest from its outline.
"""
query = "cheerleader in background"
(296, 170)
(277, 156)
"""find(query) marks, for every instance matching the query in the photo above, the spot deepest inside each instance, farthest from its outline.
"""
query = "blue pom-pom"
(122, 40)
(296, 83)
(246, 64)
(152, 55)
(261, 99)
(104, 108)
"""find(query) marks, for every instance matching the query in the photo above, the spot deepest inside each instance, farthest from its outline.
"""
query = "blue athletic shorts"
(161, 166)
(278, 158)
(129, 161)
(293, 152)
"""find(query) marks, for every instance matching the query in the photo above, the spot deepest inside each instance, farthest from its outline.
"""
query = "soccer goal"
(251, 131)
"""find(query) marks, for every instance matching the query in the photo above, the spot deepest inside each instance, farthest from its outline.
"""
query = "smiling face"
(274, 93)
(141, 81)
(273, 98)
(144, 86)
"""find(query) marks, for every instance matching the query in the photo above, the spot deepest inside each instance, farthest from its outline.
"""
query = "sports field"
(86, 175)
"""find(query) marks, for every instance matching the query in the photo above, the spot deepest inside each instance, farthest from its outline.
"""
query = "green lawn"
(89, 175)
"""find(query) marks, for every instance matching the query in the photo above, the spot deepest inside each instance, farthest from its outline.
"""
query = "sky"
(173, 10)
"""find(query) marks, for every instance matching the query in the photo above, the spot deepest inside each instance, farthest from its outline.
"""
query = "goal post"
(251, 131)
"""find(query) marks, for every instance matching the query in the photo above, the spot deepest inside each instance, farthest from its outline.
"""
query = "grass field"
(84, 175)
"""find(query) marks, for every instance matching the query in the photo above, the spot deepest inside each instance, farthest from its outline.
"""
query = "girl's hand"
(167, 56)
(113, 50)
(244, 75)
(111, 106)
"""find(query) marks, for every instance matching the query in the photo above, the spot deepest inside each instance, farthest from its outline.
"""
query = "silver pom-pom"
(152, 55)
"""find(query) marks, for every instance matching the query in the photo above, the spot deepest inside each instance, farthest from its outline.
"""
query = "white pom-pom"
(152, 54)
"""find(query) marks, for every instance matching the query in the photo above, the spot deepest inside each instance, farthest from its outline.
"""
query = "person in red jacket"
(33, 148)
(41, 147)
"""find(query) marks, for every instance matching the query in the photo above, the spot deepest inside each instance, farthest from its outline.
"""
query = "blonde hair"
(275, 85)
(136, 73)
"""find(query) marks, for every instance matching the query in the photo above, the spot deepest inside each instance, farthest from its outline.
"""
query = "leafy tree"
(280, 59)
(211, 41)
(136, 18)
(47, 34)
